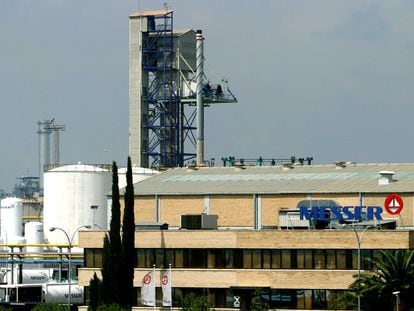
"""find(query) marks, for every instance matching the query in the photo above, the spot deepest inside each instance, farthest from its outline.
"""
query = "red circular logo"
(393, 204)
(147, 279)
(164, 280)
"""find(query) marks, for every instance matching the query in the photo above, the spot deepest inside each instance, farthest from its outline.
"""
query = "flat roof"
(151, 13)
(352, 178)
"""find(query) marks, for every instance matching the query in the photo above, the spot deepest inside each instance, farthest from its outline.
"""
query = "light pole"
(70, 241)
(397, 298)
(359, 240)
(7, 251)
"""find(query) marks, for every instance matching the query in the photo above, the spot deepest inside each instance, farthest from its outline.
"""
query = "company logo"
(393, 204)
(147, 279)
(341, 213)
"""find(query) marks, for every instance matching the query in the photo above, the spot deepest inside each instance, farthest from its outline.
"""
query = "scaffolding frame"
(165, 112)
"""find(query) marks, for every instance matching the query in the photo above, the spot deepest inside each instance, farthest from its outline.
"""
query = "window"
(93, 257)
(247, 259)
(256, 259)
(286, 259)
(276, 254)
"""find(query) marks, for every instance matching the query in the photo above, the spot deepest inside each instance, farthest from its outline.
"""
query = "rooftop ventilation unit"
(199, 221)
(386, 177)
(340, 164)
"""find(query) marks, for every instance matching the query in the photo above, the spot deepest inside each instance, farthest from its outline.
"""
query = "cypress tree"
(95, 292)
(112, 252)
(128, 240)
(106, 272)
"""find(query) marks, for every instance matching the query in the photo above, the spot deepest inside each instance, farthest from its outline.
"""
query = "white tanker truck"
(32, 294)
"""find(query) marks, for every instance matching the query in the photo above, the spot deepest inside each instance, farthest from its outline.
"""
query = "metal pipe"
(200, 105)
(44, 148)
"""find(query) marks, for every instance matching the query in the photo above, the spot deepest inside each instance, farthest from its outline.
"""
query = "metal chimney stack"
(44, 132)
(200, 105)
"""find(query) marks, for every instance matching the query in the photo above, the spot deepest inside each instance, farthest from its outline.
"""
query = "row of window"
(243, 258)
(242, 297)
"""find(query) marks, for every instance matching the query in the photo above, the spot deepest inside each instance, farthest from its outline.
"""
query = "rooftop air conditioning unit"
(199, 221)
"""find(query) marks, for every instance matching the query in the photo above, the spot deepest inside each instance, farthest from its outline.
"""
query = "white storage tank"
(11, 213)
(71, 194)
(33, 232)
(138, 174)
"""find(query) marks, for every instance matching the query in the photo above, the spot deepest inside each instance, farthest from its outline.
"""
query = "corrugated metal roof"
(151, 13)
(353, 178)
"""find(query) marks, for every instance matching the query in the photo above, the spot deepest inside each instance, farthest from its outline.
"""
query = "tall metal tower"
(55, 130)
(45, 129)
(162, 91)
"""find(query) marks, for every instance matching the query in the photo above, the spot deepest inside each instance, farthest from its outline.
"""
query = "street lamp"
(359, 240)
(397, 298)
(7, 251)
(70, 241)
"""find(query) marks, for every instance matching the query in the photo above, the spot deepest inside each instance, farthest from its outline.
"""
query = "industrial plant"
(285, 232)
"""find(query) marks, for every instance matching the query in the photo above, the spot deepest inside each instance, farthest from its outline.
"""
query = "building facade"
(259, 246)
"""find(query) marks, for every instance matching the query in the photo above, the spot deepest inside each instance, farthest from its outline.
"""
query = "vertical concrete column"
(200, 105)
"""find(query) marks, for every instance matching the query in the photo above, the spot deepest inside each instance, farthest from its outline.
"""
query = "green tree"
(128, 240)
(112, 252)
(258, 304)
(392, 271)
(192, 302)
(95, 291)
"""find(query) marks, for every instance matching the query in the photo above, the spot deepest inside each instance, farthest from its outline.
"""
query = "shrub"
(50, 307)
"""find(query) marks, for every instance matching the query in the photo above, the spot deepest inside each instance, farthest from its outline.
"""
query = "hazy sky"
(324, 78)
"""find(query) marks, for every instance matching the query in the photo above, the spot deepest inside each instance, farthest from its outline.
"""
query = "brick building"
(260, 247)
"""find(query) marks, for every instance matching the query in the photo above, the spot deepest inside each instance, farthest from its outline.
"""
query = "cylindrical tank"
(138, 174)
(58, 293)
(71, 195)
(30, 276)
(11, 218)
(33, 232)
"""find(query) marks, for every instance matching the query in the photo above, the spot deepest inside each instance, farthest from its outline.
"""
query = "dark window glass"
(341, 259)
(330, 259)
(229, 259)
(89, 258)
(149, 258)
(238, 258)
(267, 259)
(197, 258)
(220, 258)
(256, 259)
(276, 259)
(211, 258)
(304, 259)
(141, 258)
(169, 258)
(319, 257)
(355, 259)
(365, 256)
(159, 257)
(179, 258)
(349, 260)
(286, 259)
(247, 259)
